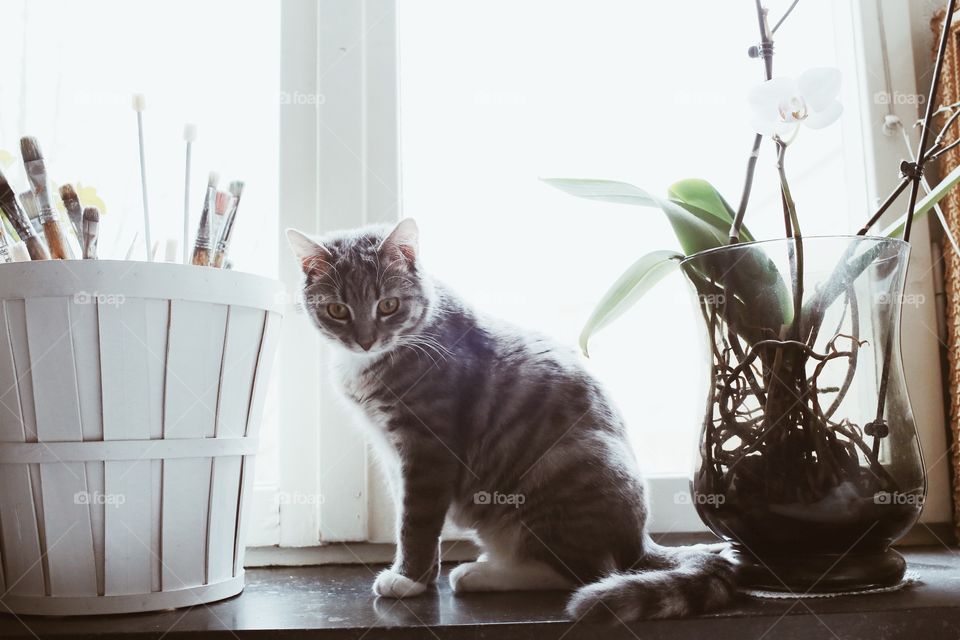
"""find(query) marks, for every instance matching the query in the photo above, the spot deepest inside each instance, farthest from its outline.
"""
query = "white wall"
(921, 11)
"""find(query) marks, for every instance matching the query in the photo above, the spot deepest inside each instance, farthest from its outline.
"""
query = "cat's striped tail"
(675, 581)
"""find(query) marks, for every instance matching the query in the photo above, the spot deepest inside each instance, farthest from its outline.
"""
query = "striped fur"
(501, 430)
(674, 582)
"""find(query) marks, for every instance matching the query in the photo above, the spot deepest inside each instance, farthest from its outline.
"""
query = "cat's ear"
(314, 258)
(403, 242)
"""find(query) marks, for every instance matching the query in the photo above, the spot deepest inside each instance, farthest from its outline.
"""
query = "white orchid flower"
(781, 105)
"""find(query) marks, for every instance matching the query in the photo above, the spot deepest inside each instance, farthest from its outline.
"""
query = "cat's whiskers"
(380, 272)
(330, 269)
(337, 281)
(416, 347)
(436, 345)
(385, 279)
(402, 278)
(395, 261)
(411, 341)
(321, 286)
(426, 343)
(393, 356)
(313, 263)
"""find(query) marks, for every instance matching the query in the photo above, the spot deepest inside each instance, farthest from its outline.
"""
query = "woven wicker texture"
(950, 93)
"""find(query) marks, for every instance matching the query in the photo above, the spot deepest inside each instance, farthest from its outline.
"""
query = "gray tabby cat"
(499, 429)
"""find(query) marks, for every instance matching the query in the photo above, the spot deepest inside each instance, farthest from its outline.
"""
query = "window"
(610, 90)
(328, 107)
(492, 97)
(599, 90)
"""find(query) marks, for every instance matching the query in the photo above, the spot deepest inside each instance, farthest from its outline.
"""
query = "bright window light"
(495, 95)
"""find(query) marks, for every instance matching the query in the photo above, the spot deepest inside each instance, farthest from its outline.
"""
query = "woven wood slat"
(950, 93)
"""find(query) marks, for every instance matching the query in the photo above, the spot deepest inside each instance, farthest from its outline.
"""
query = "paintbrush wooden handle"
(76, 221)
(36, 248)
(201, 256)
(57, 241)
(90, 248)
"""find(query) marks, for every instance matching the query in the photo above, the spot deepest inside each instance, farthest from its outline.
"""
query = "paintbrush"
(201, 245)
(139, 104)
(19, 253)
(189, 136)
(223, 204)
(29, 202)
(91, 230)
(133, 245)
(37, 174)
(21, 223)
(4, 246)
(74, 210)
(223, 239)
(15, 248)
(170, 250)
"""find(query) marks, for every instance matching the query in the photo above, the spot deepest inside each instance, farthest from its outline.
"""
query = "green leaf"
(925, 204)
(701, 220)
(696, 231)
(604, 190)
(695, 235)
(751, 277)
(734, 310)
(707, 200)
(629, 287)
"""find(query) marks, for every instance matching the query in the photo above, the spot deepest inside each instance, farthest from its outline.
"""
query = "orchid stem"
(883, 207)
(765, 51)
(747, 188)
(790, 210)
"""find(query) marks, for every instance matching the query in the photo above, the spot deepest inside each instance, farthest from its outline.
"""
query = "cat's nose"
(366, 344)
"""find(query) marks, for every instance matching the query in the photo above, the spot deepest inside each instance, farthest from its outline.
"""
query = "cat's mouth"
(375, 347)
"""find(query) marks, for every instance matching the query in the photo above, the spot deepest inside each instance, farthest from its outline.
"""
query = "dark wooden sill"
(334, 602)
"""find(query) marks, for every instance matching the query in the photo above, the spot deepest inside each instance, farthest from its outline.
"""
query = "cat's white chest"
(358, 383)
(352, 375)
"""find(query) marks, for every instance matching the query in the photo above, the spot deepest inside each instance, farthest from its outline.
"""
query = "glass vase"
(808, 460)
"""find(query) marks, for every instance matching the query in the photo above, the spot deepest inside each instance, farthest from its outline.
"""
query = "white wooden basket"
(130, 400)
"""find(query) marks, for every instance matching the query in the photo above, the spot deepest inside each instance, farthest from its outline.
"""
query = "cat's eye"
(338, 311)
(388, 306)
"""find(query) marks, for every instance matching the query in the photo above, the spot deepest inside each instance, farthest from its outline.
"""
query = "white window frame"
(874, 156)
(340, 169)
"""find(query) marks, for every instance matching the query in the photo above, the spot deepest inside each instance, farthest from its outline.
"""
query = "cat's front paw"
(471, 576)
(390, 584)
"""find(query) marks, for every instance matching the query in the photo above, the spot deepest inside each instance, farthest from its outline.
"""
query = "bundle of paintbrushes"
(26, 241)
(32, 228)
(216, 223)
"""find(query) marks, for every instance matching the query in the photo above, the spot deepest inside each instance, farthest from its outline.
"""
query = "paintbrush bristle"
(223, 199)
(6, 192)
(29, 202)
(30, 149)
(91, 214)
(213, 179)
(236, 188)
(69, 195)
